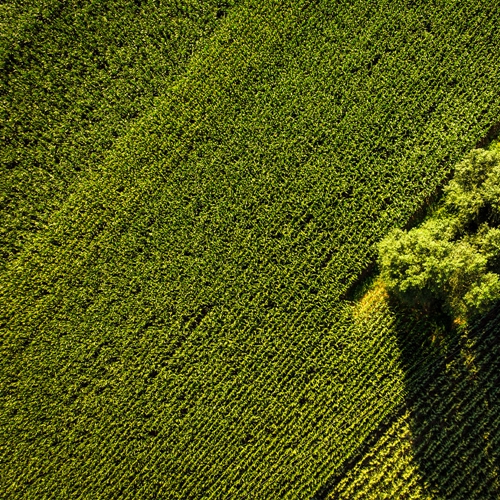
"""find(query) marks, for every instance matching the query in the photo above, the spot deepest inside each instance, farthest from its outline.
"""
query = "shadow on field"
(452, 381)
(452, 388)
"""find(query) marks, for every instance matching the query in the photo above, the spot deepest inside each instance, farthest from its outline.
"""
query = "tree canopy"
(452, 260)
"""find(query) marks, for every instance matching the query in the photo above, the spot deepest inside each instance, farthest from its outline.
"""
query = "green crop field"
(192, 193)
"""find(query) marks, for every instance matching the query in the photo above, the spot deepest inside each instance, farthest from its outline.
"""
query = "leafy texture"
(452, 258)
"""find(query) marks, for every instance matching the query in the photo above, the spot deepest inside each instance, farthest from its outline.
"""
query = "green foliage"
(474, 193)
(171, 304)
(414, 264)
(452, 257)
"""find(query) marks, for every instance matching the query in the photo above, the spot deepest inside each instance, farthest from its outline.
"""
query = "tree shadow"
(452, 381)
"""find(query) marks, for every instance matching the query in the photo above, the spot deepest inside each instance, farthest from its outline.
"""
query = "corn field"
(191, 192)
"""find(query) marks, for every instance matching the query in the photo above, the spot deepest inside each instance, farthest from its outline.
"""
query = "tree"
(452, 260)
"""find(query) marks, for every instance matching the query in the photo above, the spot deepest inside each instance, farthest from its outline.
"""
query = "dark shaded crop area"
(444, 440)
(74, 77)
